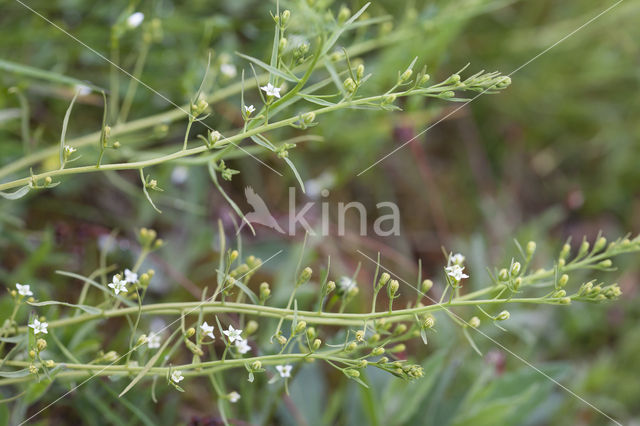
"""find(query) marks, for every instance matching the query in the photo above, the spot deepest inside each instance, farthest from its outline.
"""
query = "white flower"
(130, 277)
(234, 397)
(153, 340)
(345, 284)
(457, 259)
(24, 290)
(228, 70)
(456, 273)
(284, 370)
(207, 329)
(232, 334)
(242, 345)
(271, 90)
(118, 285)
(249, 109)
(39, 327)
(177, 376)
(68, 150)
(135, 19)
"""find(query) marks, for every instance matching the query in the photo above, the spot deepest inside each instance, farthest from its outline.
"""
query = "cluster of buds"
(149, 241)
(283, 150)
(226, 172)
(596, 293)
(214, 139)
(402, 370)
(482, 82)
(199, 106)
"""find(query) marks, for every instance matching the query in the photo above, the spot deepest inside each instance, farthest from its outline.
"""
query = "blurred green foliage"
(554, 156)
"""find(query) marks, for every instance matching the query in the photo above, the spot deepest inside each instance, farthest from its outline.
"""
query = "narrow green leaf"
(65, 123)
(295, 172)
(16, 194)
(269, 68)
(247, 291)
(234, 206)
(18, 373)
(43, 74)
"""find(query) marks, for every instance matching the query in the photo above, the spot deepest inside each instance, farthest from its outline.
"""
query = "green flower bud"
(316, 344)
(233, 256)
(584, 248)
(286, 15)
(560, 293)
(600, 244)
(351, 347)
(428, 322)
(41, 344)
(305, 275)
(256, 365)
(264, 291)
(283, 44)
(531, 249)
(32, 354)
(398, 348)
(400, 329)
(393, 287)
(311, 333)
(605, 263)
(474, 322)
(282, 340)
(300, 327)
(360, 72)
(564, 279)
(383, 360)
(33, 369)
(384, 279)
(503, 275)
(406, 75)
(517, 283)
(515, 268)
(344, 14)
(352, 373)
(141, 340)
(250, 328)
(388, 99)
(375, 338)
(377, 351)
(330, 287)
(424, 79)
(193, 348)
(503, 316)
(49, 363)
(561, 262)
(566, 249)
(426, 286)
(360, 335)
(190, 332)
(350, 85)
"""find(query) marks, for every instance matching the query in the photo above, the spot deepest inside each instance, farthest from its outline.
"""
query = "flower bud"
(116, 145)
(515, 268)
(517, 283)
(308, 117)
(375, 338)
(531, 249)
(428, 322)
(388, 99)
(560, 293)
(565, 301)
(282, 44)
(377, 351)
(393, 287)
(344, 14)
(193, 348)
(360, 335)
(110, 356)
(384, 279)
(424, 79)
(316, 344)
(503, 316)
(503, 275)
(265, 292)
(311, 333)
(400, 329)
(330, 287)
(256, 365)
(599, 244)
(305, 275)
(474, 322)
(566, 249)
(564, 279)
(360, 72)
(49, 363)
(300, 327)
(250, 328)
(286, 15)
(584, 248)
(33, 369)
(561, 262)
(282, 340)
(350, 85)
(351, 347)
(233, 256)
(405, 75)
(48, 180)
(352, 373)
(605, 263)
(190, 332)
(142, 340)
(32, 354)
(398, 348)
(426, 286)
(41, 344)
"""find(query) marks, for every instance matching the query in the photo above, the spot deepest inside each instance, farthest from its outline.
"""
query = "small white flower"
(457, 259)
(242, 345)
(118, 285)
(345, 284)
(130, 277)
(68, 150)
(284, 370)
(271, 90)
(249, 109)
(207, 329)
(177, 376)
(153, 340)
(233, 334)
(135, 19)
(456, 273)
(228, 70)
(39, 327)
(24, 290)
(234, 397)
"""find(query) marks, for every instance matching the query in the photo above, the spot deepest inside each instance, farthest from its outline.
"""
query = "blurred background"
(554, 156)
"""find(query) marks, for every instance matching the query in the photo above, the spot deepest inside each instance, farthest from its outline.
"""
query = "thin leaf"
(234, 206)
(43, 74)
(16, 195)
(18, 373)
(247, 291)
(65, 123)
(295, 172)
(146, 193)
(269, 68)
(263, 142)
